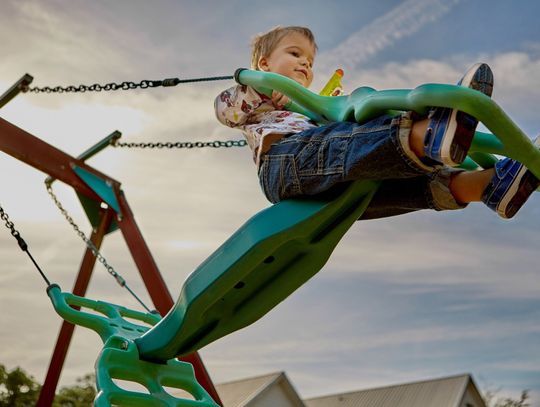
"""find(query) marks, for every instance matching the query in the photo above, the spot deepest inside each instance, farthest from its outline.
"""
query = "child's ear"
(263, 64)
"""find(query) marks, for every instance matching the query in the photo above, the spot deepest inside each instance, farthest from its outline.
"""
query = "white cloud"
(399, 23)
(364, 356)
(73, 124)
(188, 202)
(517, 78)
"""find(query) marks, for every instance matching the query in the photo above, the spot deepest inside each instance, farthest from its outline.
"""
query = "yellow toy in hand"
(333, 86)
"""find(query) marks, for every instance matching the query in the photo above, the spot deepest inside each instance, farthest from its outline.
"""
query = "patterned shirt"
(244, 108)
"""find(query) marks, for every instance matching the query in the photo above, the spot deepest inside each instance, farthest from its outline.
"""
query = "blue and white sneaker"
(510, 187)
(450, 132)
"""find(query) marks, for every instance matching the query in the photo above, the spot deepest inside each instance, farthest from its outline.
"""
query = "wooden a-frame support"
(61, 166)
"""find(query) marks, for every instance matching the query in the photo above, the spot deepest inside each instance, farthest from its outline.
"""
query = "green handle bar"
(366, 103)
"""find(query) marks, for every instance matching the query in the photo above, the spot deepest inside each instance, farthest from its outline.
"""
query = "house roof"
(443, 392)
(235, 393)
(240, 393)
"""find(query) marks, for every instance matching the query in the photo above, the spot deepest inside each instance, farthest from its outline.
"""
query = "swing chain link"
(11, 226)
(119, 279)
(186, 144)
(95, 87)
(144, 84)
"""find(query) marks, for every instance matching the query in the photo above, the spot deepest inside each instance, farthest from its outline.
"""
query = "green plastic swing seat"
(267, 259)
(274, 252)
(282, 247)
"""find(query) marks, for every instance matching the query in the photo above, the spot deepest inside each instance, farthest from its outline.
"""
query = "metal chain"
(144, 84)
(9, 224)
(119, 279)
(185, 144)
(14, 232)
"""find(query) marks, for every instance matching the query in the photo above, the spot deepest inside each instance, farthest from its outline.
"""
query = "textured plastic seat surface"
(267, 259)
(119, 363)
(119, 359)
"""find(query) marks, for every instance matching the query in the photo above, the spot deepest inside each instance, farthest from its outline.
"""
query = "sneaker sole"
(485, 82)
(462, 124)
(518, 193)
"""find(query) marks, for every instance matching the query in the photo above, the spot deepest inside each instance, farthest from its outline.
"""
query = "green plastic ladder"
(119, 362)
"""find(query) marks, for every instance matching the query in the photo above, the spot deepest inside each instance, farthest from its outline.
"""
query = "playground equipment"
(107, 209)
(260, 265)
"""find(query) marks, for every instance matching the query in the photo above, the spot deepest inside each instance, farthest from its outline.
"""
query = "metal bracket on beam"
(18, 87)
(100, 145)
(96, 148)
(100, 186)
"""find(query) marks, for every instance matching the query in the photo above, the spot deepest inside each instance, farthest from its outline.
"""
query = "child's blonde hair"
(263, 44)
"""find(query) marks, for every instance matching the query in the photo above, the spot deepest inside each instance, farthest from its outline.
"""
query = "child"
(414, 156)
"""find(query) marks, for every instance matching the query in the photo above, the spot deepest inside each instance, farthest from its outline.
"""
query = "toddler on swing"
(415, 156)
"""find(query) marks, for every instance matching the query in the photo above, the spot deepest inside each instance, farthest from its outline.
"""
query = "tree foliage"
(19, 389)
(80, 395)
(492, 401)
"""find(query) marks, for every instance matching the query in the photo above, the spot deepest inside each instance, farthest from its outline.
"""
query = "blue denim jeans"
(318, 160)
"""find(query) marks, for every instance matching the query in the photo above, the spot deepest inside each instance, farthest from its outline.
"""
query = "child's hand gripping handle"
(265, 82)
(261, 89)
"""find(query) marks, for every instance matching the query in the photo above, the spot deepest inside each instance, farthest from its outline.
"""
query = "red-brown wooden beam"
(37, 153)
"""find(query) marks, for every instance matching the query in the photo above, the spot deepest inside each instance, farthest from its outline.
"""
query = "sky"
(402, 299)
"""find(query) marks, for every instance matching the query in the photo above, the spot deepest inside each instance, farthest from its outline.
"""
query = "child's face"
(293, 57)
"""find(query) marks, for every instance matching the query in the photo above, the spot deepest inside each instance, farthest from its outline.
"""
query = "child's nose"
(304, 62)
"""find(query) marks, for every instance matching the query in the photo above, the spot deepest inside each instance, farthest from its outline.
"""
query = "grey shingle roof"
(236, 393)
(454, 391)
(444, 392)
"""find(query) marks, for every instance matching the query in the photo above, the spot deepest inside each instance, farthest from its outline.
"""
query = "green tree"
(80, 395)
(17, 388)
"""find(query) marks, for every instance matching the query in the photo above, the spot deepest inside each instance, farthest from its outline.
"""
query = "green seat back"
(260, 265)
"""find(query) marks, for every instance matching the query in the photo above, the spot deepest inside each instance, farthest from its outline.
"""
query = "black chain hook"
(22, 244)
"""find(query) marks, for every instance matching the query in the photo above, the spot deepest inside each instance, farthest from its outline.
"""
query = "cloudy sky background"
(409, 298)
